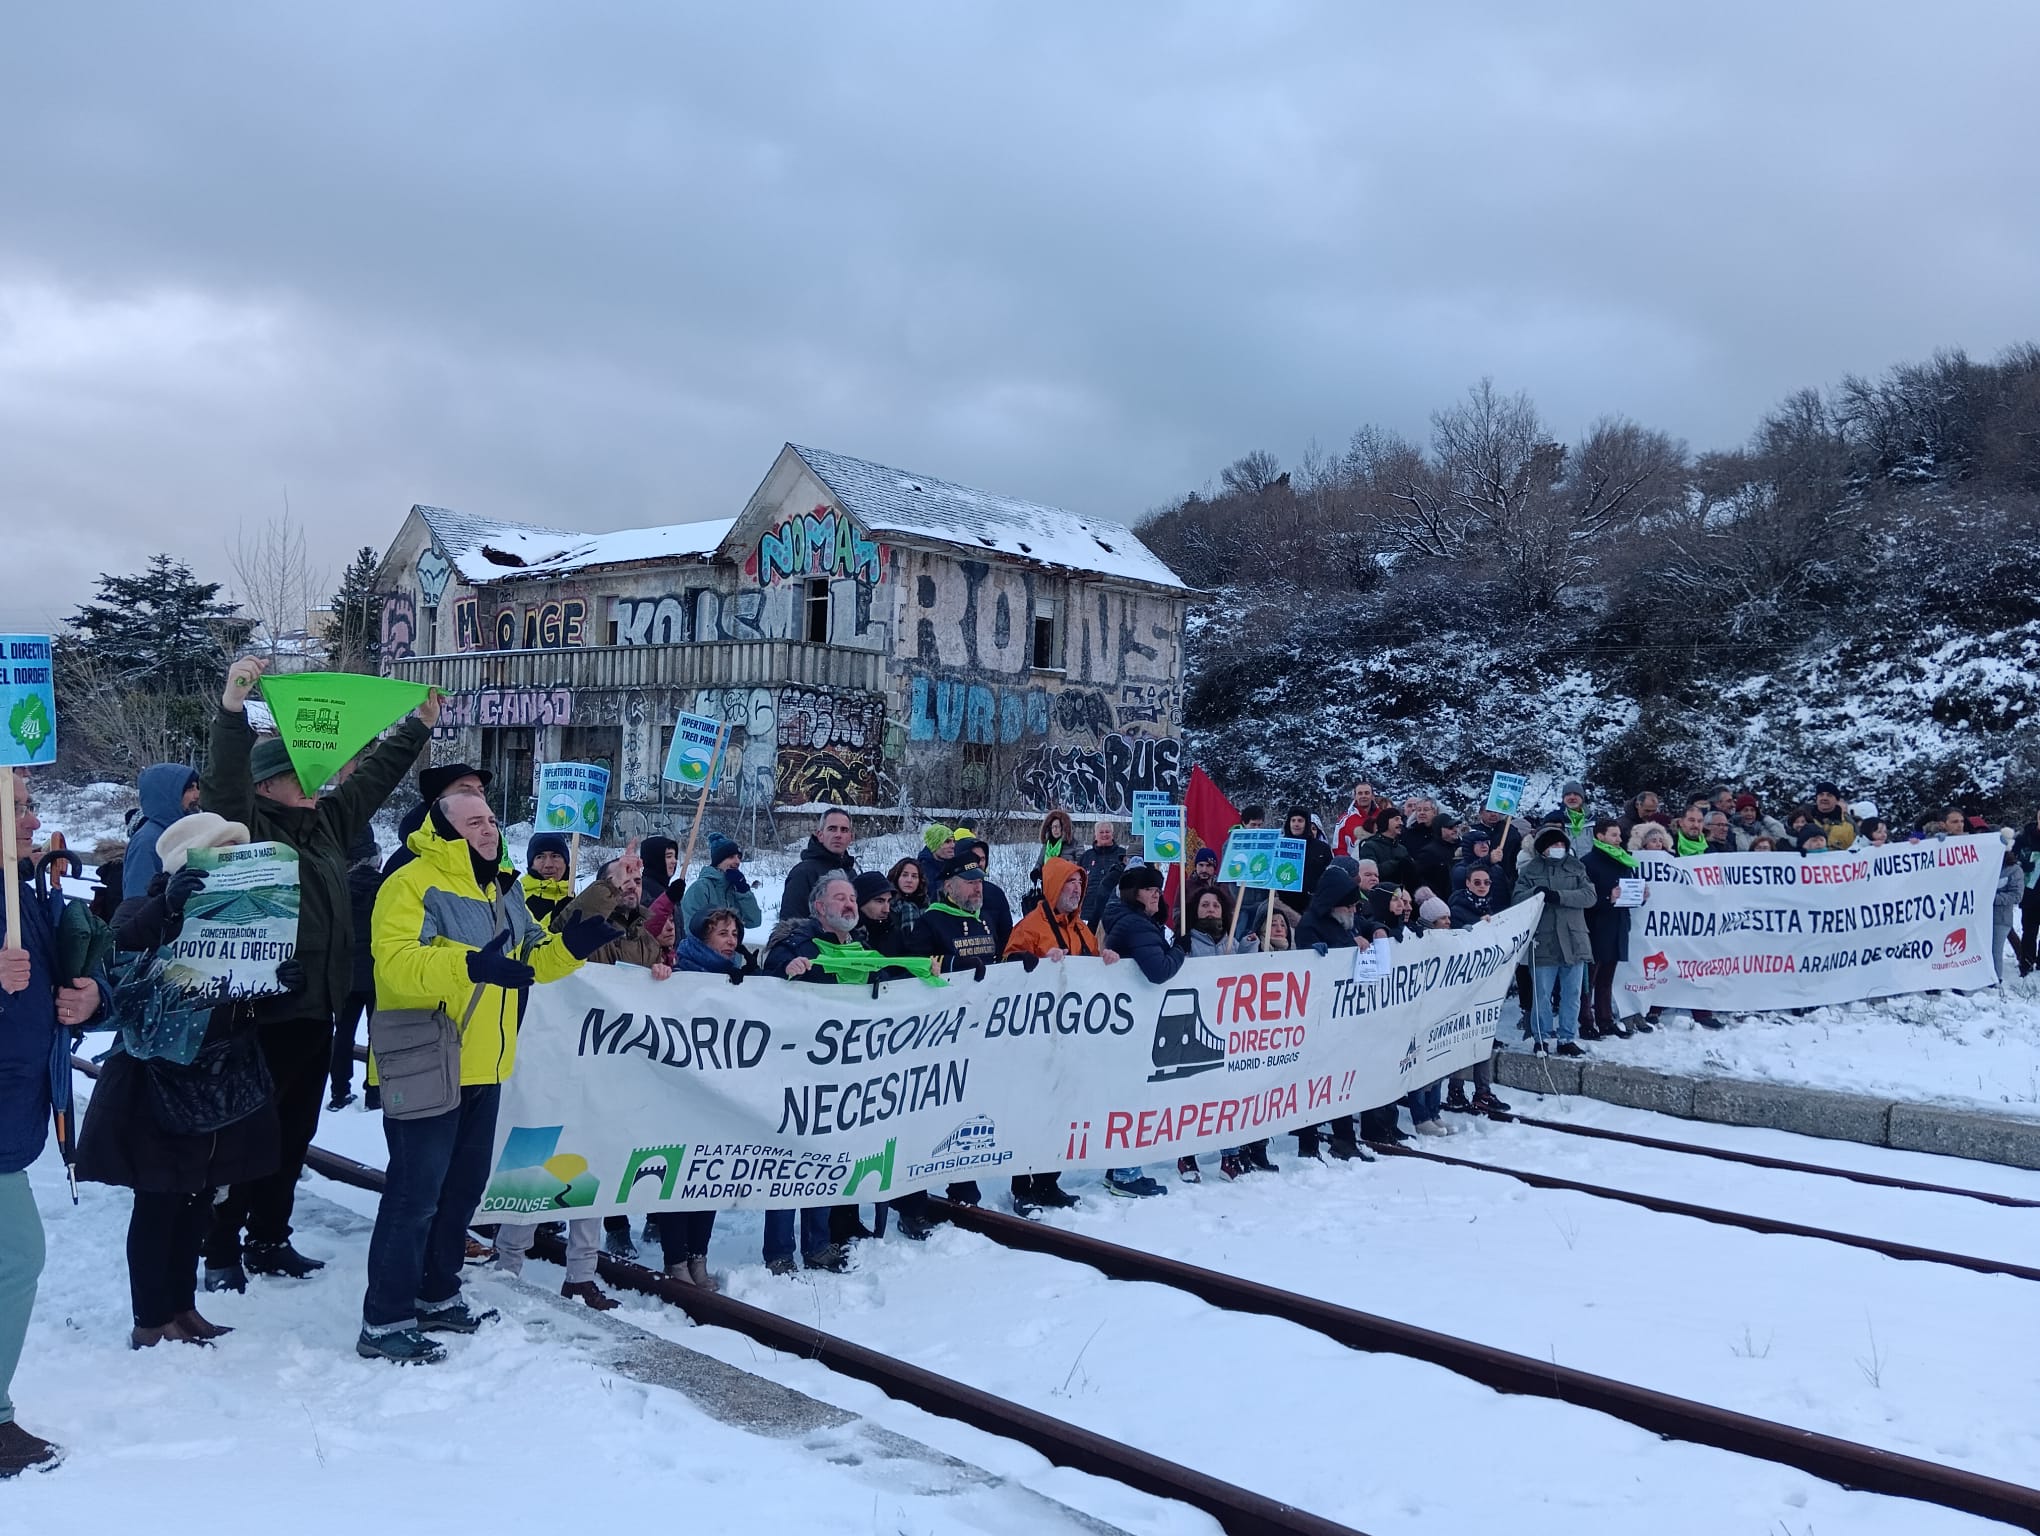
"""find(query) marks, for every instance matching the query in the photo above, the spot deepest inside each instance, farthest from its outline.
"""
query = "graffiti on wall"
(831, 747)
(1102, 781)
(467, 624)
(1145, 703)
(729, 615)
(752, 716)
(505, 706)
(554, 625)
(433, 571)
(956, 709)
(823, 542)
(399, 626)
(651, 620)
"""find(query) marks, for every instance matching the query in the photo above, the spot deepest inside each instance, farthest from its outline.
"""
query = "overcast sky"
(591, 265)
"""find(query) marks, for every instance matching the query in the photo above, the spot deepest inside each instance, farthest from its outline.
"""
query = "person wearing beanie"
(547, 885)
(1813, 838)
(1134, 930)
(1434, 913)
(1317, 853)
(1832, 816)
(1562, 948)
(888, 924)
(722, 883)
(252, 781)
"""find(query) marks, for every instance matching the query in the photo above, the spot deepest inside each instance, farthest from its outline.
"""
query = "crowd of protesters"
(206, 1112)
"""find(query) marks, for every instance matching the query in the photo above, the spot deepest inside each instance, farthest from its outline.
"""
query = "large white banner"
(692, 1093)
(1743, 932)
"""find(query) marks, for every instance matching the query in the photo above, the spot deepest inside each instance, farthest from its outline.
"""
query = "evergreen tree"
(354, 633)
(162, 631)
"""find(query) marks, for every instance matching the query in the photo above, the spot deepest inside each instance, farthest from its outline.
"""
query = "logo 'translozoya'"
(533, 1175)
(1955, 943)
(660, 1163)
(976, 1134)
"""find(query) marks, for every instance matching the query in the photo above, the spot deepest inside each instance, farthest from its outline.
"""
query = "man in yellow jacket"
(451, 932)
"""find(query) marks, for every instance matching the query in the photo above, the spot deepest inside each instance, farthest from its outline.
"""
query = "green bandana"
(1618, 853)
(1577, 820)
(1051, 850)
(1688, 846)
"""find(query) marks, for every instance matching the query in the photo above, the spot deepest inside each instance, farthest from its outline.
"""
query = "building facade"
(869, 638)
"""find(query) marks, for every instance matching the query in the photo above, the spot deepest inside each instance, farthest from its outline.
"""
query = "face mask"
(1557, 852)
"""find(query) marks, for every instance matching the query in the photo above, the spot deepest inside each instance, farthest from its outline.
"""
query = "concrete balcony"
(713, 664)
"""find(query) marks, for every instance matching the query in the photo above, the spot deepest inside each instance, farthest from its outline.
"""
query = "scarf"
(971, 917)
(1688, 847)
(1051, 850)
(1577, 820)
(1618, 853)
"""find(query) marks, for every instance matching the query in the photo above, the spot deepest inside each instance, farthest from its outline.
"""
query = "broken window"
(818, 612)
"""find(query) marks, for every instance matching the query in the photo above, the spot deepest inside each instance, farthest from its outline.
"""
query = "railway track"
(1846, 1463)
(1759, 1160)
(1770, 1226)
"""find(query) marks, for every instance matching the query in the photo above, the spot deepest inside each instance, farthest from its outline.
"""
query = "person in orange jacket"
(1054, 930)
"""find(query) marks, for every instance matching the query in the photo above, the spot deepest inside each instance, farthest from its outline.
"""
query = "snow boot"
(1570, 1048)
(341, 1099)
(1307, 1143)
(454, 1317)
(1133, 1184)
(1485, 1103)
(846, 1225)
(1024, 1204)
(913, 1226)
(198, 1327)
(1540, 1049)
(1455, 1098)
(226, 1277)
(279, 1259)
(22, 1452)
(1256, 1155)
(1233, 1167)
(407, 1346)
(835, 1259)
(780, 1266)
(590, 1294)
(1188, 1171)
(616, 1238)
(1048, 1192)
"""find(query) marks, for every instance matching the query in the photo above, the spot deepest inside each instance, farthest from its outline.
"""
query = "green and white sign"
(1162, 832)
(240, 926)
(1287, 875)
(570, 797)
(692, 757)
(1142, 799)
(28, 701)
(1249, 857)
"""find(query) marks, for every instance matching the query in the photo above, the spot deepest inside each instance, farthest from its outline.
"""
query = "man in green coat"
(251, 781)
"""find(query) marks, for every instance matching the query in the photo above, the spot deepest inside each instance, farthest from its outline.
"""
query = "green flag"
(327, 717)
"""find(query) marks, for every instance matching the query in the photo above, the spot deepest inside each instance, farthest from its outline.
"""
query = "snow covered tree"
(354, 633)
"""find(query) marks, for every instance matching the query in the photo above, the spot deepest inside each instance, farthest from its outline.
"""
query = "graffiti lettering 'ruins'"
(823, 542)
(1100, 782)
(505, 706)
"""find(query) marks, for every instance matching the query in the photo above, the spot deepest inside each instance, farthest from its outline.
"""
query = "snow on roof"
(456, 532)
(923, 507)
(507, 552)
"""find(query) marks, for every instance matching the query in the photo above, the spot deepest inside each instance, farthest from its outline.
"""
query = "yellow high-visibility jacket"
(430, 915)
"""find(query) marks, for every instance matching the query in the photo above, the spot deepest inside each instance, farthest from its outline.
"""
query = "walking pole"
(701, 802)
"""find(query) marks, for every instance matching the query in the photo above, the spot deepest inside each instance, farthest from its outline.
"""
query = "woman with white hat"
(184, 1102)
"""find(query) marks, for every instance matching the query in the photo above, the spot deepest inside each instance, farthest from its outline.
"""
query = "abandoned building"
(869, 638)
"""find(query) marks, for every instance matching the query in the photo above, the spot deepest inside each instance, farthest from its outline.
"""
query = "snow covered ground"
(1979, 1049)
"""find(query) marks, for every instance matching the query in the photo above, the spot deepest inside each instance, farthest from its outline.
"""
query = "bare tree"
(1252, 473)
(278, 588)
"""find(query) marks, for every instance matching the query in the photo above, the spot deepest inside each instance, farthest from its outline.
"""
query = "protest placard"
(1287, 875)
(28, 702)
(240, 926)
(1142, 799)
(571, 797)
(1249, 856)
(1162, 836)
(1505, 793)
(692, 756)
(325, 718)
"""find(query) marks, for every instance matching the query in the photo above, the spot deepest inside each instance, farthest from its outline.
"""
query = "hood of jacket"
(1335, 888)
(161, 788)
(816, 853)
(1056, 874)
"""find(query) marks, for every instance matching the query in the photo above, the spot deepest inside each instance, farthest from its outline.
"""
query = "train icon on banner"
(1184, 1043)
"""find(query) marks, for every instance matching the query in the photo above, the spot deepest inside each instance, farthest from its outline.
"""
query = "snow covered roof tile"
(457, 532)
(508, 553)
(922, 507)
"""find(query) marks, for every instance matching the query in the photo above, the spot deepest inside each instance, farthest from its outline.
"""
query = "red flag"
(1209, 816)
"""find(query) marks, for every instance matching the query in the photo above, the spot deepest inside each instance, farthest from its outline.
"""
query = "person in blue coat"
(38, 1010)
(169, 792)
(1134, 931)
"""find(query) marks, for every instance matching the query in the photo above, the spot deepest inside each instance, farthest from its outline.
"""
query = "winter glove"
(1320, 948)
(1029, 962)
(289, 974)
(584, 934)
(185, 884)
(978, 973)
(490, 967)
(736, 978)
(736, 880)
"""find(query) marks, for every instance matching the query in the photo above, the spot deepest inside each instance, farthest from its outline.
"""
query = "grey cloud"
(591, 265)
